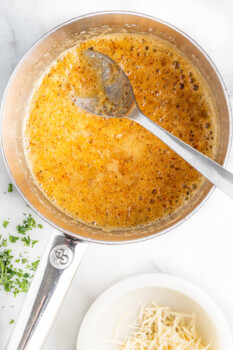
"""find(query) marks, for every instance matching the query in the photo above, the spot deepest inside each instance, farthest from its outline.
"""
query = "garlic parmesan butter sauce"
(113, 173)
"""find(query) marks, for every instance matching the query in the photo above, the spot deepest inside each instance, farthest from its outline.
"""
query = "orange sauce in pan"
(113, 172)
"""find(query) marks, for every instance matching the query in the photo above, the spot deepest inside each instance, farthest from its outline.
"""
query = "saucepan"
(70, 238)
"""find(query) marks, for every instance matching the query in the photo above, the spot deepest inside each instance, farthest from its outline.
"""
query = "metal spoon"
(119, 102)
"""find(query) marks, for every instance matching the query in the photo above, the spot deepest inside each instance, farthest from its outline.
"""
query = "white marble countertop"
(201, 250)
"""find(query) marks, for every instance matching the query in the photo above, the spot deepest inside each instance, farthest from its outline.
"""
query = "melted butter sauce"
(113, 172)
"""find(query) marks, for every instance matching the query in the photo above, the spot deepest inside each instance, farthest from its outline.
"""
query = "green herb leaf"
(2, 270)
(34, 242)
(28, 224)
(4, 243)
(5, 223)
(40, 226)
(13, 239)
(34, 265)
(12, 321)
(26, 240)
(10, 188)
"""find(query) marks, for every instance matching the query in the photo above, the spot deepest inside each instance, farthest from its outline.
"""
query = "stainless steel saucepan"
(70, 238)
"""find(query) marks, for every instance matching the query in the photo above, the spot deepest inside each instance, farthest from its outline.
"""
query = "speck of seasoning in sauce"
(207, 125)
(195, 87)
(176, 64)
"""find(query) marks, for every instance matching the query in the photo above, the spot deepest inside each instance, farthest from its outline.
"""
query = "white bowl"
(100, 321)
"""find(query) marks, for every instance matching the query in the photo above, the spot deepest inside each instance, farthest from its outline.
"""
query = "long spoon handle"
(214, 172)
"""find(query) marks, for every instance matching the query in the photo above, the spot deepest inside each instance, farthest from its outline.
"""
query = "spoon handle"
(214, 172)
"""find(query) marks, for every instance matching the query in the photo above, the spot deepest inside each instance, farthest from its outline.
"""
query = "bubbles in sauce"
(113, 172)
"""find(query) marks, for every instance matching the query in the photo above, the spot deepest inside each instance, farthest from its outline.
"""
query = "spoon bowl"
(116, 98)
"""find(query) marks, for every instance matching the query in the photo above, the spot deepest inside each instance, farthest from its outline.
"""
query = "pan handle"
(50, 284)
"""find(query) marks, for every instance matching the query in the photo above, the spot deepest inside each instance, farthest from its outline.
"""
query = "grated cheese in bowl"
(160, 328)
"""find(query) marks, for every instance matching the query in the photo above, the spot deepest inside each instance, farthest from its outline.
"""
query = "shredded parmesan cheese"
(160, 328)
